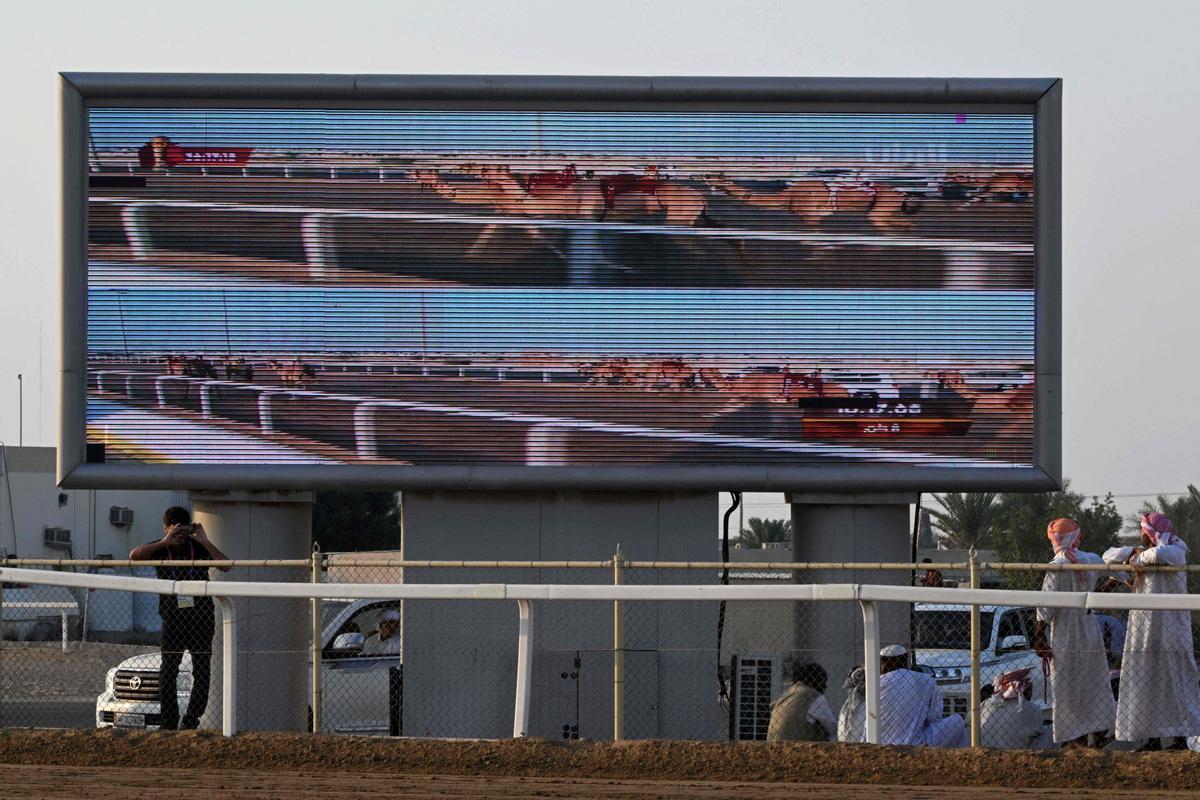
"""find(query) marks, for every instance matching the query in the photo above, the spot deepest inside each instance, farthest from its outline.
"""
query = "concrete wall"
(460, 658)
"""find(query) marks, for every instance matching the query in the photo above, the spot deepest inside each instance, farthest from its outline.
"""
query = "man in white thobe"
(910, 706)
(1083, 700)
(1160, 686)
(386, 640)
(1009, 719)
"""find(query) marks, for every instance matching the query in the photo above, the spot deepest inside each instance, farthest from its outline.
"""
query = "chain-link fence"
(742, 668)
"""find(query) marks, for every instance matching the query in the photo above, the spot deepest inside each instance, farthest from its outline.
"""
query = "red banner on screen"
(160, 153)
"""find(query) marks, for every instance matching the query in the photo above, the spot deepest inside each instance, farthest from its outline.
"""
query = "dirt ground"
(95, 764)
(42, 669)
(93, 783)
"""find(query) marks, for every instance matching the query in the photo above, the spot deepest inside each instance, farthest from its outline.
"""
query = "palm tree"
(966, 518)
(761, 531)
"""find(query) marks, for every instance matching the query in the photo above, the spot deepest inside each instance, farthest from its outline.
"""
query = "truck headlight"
(109, 680)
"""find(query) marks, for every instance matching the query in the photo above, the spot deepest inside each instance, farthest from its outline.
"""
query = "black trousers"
(189, 629)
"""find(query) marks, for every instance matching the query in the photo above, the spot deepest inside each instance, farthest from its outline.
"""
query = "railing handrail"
(737, 566)
(607, 592)
(965, 245)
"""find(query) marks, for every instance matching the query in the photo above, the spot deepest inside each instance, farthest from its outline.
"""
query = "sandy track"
(93, 783)
(95, 764)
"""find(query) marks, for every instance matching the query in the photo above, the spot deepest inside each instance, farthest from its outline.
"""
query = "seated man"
(910, 706)
(802, 714)
(852, 718)
(386, 640)
(1009, 719)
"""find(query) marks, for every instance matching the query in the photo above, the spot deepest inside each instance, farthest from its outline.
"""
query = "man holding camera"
(187, 622)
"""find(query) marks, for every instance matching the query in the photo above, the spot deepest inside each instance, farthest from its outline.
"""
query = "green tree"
(965, 519)
(761, 531)
(350, 521)
(1019, 531)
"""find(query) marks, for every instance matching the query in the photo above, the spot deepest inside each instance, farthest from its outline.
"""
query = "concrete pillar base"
(273, 635)
(848, 528)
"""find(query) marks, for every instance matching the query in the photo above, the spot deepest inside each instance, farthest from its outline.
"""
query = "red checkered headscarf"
(1160, 529)
(1011, 685)
(1064, 534)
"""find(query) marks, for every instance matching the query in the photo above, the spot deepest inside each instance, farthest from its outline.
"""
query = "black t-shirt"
(189, 550)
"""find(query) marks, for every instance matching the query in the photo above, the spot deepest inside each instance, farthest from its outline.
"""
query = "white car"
(357, 694)
(942, 645)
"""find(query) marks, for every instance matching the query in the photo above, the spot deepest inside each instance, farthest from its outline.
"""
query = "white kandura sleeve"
(1171, 555)
(819, 711)
(1051, 583)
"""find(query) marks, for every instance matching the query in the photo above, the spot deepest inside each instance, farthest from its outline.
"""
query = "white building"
(40, 520)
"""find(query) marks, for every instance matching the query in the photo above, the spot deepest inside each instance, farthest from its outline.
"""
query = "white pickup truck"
(942, 644)
(355, 690)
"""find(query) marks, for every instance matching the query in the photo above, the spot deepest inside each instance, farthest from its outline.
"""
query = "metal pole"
(618, 653)
(871, 648)
(315, 646)
(975, 645)
(524, 670)
(229, 665)
(63, 614)
(20, 414)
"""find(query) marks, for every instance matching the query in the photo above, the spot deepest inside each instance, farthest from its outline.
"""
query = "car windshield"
(330, 609)
(949, 629)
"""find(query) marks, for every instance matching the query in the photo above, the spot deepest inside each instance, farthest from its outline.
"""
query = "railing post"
(871, 649)
(315, 646)
(524, 669)
(137, 232)
(618, 652)
(228, 665)
(973, 557)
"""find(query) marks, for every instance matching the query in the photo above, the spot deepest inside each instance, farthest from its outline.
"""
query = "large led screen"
(550, 288)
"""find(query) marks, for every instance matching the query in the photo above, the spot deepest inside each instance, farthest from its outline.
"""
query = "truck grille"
(131, 685)
(956, 705)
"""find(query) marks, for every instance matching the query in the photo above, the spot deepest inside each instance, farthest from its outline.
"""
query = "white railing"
(546, 438)
(526, 595)
(320, 245)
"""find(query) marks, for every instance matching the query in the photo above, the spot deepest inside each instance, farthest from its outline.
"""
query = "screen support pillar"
(272, 692)
(848, 528)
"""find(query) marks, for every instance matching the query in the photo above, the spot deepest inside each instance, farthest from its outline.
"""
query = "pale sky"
(1131, 162)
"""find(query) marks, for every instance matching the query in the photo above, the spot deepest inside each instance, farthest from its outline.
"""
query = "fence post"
(973, 557)
(229, 668)
(871, 648)
(618, 652)
(315, 646)
(524, 669)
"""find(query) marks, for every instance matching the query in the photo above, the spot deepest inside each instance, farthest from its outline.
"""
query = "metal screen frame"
(1041, 97)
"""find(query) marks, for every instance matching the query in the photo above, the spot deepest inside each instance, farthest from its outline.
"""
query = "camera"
(188, 529)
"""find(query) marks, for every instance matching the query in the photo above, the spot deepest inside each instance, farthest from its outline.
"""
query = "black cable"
(724, 692)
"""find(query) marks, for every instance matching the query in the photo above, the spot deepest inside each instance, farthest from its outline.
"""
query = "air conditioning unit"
(120, 516)
(756, 682)
(57, 538)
